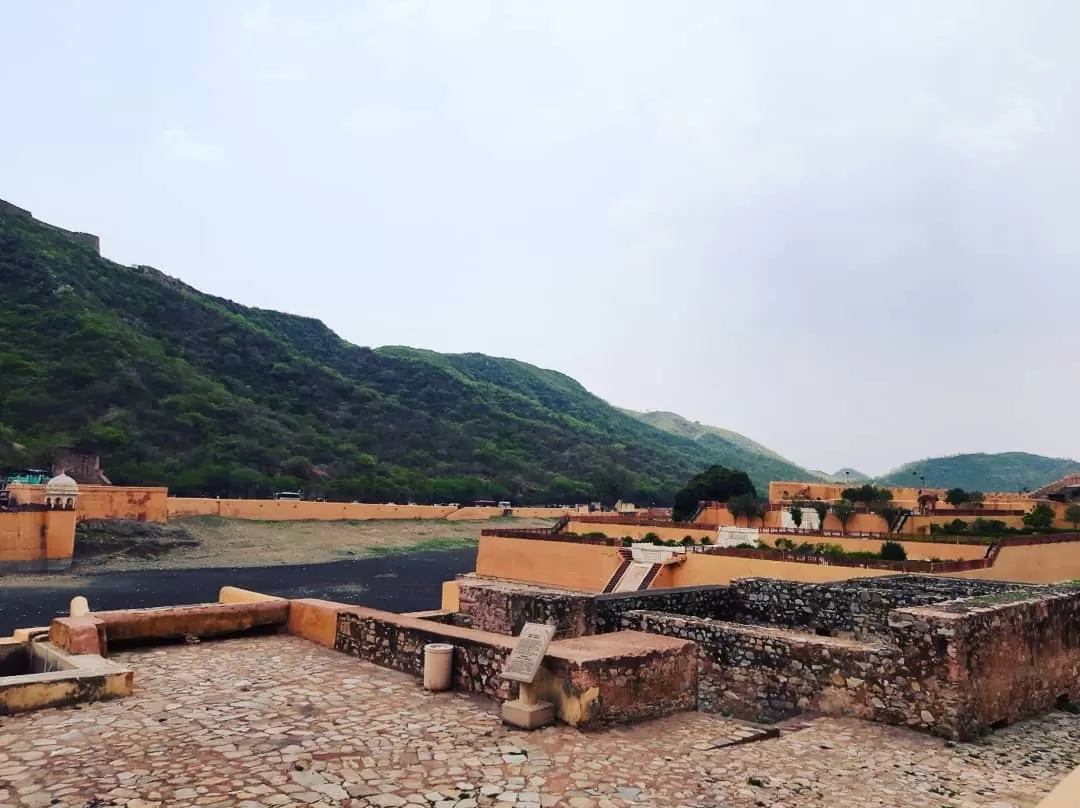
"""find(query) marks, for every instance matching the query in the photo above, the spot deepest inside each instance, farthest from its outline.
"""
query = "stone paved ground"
(276, 721)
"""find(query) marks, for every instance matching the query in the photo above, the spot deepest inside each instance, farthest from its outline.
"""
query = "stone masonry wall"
(400, 646)
(858, 607)
(1001, 658)
(716, 602)
(503, 607)
(766, 673)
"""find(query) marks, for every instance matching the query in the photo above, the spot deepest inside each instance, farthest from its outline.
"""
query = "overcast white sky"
(845, 229)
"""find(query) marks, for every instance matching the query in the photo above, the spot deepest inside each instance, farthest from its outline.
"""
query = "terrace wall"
(956, 669)
(284, 510)
(36, 540)
(565, 564)
(504, 608)
(143, 503)
(592, 681)
(859, 607)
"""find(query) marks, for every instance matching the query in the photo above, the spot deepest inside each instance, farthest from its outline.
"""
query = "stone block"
(528, 716)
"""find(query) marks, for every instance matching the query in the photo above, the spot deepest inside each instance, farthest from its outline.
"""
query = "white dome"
(61, 486)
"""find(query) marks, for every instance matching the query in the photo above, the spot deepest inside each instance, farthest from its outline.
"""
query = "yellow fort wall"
(144, 503)
(36, 540)
(569, 565)
(589, 567)
(287, 510)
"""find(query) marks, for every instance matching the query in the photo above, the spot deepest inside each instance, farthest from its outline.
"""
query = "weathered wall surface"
(547, 563)
(955, 669)
(397, 642)
(146, 504)
(715, 602)
(592, 681)
(859, 607)
(123, 502)
(36, 541)
(764, 673)
(1008, 660)
(505, 608)
(283, 510)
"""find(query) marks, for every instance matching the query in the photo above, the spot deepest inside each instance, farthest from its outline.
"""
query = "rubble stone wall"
(858, 607)
(399, 644)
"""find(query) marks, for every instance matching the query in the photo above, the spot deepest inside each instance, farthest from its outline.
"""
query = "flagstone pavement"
(277, 721)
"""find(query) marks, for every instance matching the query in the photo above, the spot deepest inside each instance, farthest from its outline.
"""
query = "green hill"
(175, 387)
(1007, 471)
(729, 448)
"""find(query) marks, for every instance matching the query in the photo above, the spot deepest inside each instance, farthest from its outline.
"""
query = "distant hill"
(730, 449)
(1007, 471)
(842, 475)
(173, 386)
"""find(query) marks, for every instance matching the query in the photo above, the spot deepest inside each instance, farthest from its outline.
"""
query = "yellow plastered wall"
(587, 567)
(451, 596)
(702, 570)
(1033, 563)
(28, 536)
(282, 510)
(916, 550)
(143, 503)
(639, 531)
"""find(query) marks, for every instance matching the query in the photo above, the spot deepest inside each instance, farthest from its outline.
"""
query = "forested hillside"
(1006, 471)
(729, 448)
(175, 387)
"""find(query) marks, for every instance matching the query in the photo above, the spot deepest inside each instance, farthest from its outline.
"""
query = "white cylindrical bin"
(438, 665)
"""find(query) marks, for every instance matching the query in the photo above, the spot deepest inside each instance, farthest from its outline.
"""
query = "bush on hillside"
(893, 551)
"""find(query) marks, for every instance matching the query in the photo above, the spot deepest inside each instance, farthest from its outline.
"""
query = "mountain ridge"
(206, 395)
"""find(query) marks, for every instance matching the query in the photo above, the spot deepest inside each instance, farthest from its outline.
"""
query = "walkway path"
(276, 721)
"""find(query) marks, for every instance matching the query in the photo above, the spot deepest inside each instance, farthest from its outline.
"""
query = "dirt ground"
(203, 542)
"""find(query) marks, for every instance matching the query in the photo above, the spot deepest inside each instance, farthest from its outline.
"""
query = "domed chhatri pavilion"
(61, 493)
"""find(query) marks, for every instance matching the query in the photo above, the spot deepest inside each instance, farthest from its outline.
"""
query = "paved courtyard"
(277, 721)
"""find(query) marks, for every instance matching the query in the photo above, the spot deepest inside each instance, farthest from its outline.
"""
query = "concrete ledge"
(80, 679)
(92, 633)
(234, 594)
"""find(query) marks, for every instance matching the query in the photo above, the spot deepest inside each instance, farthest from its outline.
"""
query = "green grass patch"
(423, 546)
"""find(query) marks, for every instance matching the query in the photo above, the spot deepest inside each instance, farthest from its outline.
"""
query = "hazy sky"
(845, 229)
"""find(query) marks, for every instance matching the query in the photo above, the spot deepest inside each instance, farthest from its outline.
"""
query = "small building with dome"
(61, 493)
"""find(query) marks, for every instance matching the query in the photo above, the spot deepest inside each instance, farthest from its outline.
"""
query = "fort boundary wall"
(143, 503)
(944, 655)
(36, 540)
(288, 510)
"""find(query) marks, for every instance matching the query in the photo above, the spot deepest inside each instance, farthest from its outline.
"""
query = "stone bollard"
(79, 607)
(438, 666)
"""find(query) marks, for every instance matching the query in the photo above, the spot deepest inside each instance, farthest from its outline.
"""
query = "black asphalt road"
(397, 583)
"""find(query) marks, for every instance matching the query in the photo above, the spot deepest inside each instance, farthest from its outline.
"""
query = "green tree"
(893, 551)
(889, 513)
(716, 484)
(843, 510)
(822, 509)
(867, 495)
(744, 505)
(976, 499)
(957, 497)
(1041, 517)
(1072, 515)
(796, 516)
